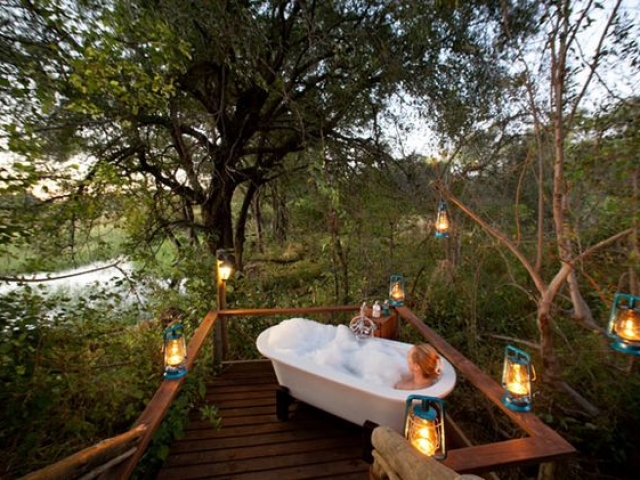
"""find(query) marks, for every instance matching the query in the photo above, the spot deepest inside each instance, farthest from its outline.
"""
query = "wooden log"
(399, 459)
(96, 472)
(381, 470)
(90, 458)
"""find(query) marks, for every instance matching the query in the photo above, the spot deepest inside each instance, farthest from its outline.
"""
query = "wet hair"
(427, 358)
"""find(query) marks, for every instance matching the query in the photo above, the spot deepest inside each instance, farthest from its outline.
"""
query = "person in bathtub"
(424, 368)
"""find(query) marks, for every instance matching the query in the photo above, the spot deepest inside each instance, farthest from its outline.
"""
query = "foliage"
(78, 367)
(73, 373)
(216, 98)
(143, 129)
(173, 426)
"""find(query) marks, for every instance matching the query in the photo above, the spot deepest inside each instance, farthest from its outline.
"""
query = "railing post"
(220, 331)
(224, 267)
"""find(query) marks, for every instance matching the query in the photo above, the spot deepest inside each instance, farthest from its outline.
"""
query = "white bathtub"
(347, 396)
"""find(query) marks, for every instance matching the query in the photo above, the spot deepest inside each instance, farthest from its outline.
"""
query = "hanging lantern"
(424, 425)
(517, 375)
(624, 324)
(396, 291)
(225, 265)
(442, 221)
(175, 352)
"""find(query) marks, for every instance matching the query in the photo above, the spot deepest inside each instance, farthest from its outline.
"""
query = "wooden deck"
(253, 444)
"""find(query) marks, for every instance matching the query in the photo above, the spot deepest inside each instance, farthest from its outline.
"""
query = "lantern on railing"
(396, 291)
(517, 375)
(624, 324)
(424, 425)
(224, 261)
(175, 352)
(442, 221)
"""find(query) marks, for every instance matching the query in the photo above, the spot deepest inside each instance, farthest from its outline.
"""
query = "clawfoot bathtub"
(316, 365)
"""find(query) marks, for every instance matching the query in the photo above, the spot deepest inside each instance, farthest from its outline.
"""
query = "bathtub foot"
(367, 447)
(283, 400)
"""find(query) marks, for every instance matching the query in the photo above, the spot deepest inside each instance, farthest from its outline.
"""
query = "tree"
(555, 130)
(201, 99)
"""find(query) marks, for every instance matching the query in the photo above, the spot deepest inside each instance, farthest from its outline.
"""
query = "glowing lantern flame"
(518, 380)
(424, 425)
(396, 290)
(442, 221)
(175, 352)
(627, 324)
(517, 375)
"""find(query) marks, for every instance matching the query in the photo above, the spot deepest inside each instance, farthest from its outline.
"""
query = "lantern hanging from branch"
(517, 375)
(442, 221)
(624, 324)
(424, 425)
(396, 291)
(175, 352)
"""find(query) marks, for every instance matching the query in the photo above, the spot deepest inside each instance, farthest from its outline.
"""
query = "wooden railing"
(541, 444)
(94, 460)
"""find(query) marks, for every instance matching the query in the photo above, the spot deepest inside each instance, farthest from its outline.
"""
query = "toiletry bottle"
(376, 310)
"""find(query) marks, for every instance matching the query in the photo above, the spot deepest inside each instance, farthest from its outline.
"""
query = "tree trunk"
(217, 218)
(552, 372)
(634, 285)
(279, 216)
(550, 366)
(241, 224)
(257, 218)
(339, 259)
(566, 249)
(187, 211)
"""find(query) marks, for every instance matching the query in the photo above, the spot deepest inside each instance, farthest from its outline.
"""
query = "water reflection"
(111, 285)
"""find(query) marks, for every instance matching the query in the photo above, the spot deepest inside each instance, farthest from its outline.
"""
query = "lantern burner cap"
(425, 412)
(517, 404)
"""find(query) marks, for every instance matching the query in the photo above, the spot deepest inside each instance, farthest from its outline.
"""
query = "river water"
(85, 285)
(75, 281)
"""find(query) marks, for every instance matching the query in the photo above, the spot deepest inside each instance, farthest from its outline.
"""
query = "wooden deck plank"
(263, 453)
(344, 470)
(253, 444)
(262, 425)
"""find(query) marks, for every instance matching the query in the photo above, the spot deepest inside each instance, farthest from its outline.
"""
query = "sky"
(615, 77)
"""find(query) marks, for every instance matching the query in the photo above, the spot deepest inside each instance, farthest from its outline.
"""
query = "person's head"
(424, 359)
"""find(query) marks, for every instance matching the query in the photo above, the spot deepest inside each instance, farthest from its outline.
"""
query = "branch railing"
(541, 444)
